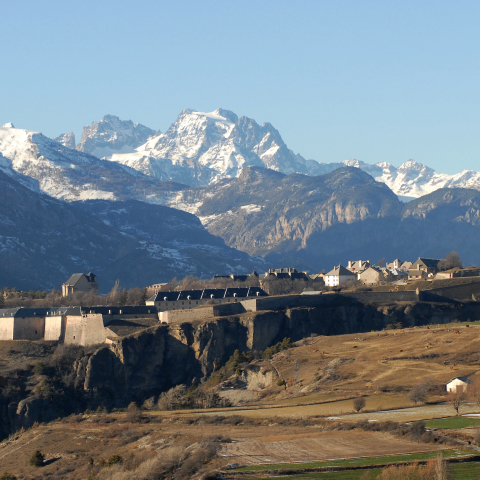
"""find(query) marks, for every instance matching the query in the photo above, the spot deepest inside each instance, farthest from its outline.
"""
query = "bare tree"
(456, 399)
(418, 393)
(358, 404)
(451, 260)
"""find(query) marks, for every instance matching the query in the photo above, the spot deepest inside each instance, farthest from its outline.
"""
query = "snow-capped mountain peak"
(201, 147)
(111, 135)
(8, 125)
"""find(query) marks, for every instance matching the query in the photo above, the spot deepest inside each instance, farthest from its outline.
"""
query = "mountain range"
(44, 240)
(205, 196)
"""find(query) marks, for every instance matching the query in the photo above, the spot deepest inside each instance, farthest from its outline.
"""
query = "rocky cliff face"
(146, 363)
(264, 211)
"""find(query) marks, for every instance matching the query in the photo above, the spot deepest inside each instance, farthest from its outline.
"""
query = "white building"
(458, 384)
(339, 275)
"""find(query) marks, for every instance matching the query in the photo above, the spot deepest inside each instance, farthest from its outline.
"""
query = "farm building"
(458, 384)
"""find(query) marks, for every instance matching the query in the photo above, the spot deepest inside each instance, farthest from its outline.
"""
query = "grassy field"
(357, 462)
(458, 471)
(453, 422)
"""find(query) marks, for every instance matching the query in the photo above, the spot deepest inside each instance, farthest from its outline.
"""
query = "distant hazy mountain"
(47, 165)
(112, 135)
(44, 240)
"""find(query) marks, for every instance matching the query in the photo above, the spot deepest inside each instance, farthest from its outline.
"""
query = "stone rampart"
(84, 330)
(461, 293)
(28, 328)
(6, 328)
(54, 328)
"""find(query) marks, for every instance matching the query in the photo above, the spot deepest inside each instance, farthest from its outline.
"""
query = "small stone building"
(458, 384)
(80, 282)
(371, 276)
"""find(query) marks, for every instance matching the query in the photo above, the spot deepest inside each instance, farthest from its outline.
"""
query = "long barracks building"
(186, 299)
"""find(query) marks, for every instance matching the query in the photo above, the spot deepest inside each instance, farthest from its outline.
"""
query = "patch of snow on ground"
(251, 208)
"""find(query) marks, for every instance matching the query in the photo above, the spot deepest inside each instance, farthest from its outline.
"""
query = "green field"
(457, 471)
(354, 462)
(453, 422)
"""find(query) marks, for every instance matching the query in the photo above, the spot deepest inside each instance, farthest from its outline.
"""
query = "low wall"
(6, 328)
(84, 330)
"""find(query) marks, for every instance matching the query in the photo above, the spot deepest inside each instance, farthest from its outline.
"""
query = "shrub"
(8, 476)
(280, 382)
(358, 404)
(114, 459)
(37, 459)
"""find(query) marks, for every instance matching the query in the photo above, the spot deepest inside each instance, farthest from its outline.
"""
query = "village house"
(406, 266)
(290, 273)
(338, 276)
(80, 282)
(358, 266)
(187, 299)
(417, 274)
(371, 276)
(427, 265)
(458, 384)
(395, 265)
(458, 273)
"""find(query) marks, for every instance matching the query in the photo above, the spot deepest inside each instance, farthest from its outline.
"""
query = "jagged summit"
(66, 139)
(8, 125)
(202, 147)
(111, 135)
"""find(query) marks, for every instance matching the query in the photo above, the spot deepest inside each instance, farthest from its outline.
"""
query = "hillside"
(43, 241)
(313, 429)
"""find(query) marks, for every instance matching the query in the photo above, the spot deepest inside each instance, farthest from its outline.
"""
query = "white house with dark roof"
(458, 384)
(80, 282)
(339, 275)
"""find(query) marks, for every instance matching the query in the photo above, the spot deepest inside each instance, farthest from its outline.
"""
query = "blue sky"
(376, 81)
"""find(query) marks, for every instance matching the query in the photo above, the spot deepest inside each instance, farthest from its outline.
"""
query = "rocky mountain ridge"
(324, 220)
(48, 166)
(44, 240)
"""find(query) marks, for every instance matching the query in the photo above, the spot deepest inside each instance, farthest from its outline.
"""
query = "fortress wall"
(384, 297)
(170, 316)
(200, 313)
(54, 327)
(28, 328)
(110, 318)
(6, 328)
(459, 292)
(84, 330)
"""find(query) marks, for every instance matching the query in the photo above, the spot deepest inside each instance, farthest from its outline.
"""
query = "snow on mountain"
(413, 179)
(66, 139)
(46, 165)
(112, 135)
(200, 148)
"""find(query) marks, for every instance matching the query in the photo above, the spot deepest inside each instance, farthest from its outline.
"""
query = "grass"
(357, 462)
(457, 471)
(453, 422)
